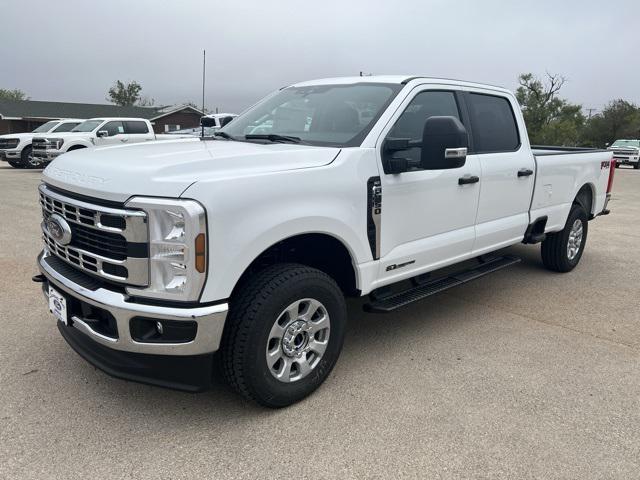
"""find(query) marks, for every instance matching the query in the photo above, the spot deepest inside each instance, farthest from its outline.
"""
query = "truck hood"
(166, 168)
(65, 135)
(21, 136)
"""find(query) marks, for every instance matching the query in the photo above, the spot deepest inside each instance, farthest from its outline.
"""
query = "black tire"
(555, 255)
(15, 164)
(255, 309)
(636, 166)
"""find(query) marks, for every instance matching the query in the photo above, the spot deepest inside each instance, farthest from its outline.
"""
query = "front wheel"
(561, 251)
(284, 334)
(15, 164)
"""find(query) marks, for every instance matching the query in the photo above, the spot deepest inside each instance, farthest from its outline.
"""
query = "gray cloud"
(74, 50)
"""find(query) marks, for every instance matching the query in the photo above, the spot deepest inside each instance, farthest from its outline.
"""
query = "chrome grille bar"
(108, 258)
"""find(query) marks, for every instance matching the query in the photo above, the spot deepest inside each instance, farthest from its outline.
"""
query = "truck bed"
(560, 173)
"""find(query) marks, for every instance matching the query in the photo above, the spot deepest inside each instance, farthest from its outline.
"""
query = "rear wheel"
(562, 251)
(283, 335)
(637, 165)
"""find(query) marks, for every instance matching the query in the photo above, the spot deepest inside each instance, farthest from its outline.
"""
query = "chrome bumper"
(46, 154)
(210, 319)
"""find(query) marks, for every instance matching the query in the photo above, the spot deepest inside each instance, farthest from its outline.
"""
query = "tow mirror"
(444, 143)
(207, 122)
(102, 134)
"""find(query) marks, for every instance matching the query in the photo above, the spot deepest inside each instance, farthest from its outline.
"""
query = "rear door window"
(493, 124)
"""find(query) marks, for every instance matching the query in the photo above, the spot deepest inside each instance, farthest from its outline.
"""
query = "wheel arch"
(320, 250)
(586, 198)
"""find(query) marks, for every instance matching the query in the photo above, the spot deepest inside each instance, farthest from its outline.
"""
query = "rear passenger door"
(138, 131)
(508, 170)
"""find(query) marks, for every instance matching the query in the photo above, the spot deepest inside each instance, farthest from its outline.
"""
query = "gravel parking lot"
(522, 374)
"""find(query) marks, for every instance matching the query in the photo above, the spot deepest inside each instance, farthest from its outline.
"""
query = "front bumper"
(46, 154)
(121, 355)
(6, 155)
(630, 160)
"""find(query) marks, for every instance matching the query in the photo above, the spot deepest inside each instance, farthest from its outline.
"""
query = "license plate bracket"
(58, 305)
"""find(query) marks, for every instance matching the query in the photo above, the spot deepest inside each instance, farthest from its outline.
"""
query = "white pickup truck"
(15, 148)
(94, 132)
(158, 255)
(626, 152)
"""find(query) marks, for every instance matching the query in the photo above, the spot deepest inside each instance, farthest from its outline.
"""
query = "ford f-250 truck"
(94, 132)
(158, 255)
(626, 152)
(15, 148)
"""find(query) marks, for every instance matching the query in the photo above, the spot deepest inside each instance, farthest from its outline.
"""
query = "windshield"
(87, 126)
(46, 127)
(331, 115)
(626, 143)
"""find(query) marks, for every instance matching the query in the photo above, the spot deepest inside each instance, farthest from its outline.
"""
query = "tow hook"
(39, 278)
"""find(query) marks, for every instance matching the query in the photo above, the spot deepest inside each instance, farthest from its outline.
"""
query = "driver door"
(115, 134)
(427, 216)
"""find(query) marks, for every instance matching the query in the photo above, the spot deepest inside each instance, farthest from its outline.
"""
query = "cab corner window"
(494, 125)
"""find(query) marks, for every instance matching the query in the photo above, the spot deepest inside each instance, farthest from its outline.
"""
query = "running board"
(394, 301)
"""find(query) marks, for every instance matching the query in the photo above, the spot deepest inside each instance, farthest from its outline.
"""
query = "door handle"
(124, 139)
(525, 172)
(467, 179)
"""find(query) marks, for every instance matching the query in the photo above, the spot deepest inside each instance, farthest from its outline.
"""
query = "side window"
(410, 124)
(493, 124)
(136, 128)
(114, 128)
(66, 127)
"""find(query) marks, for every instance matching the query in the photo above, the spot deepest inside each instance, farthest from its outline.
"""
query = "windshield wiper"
(272, 137)
(223, 135)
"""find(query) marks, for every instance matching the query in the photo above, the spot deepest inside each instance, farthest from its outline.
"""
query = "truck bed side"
(560, 174)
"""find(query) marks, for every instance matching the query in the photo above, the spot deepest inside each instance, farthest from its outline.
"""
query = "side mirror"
(102, 134)
(444, 144)
(207, 122)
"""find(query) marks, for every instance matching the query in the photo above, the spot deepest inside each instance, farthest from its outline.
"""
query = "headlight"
(55, 142)
(177, 248)
(11, 143)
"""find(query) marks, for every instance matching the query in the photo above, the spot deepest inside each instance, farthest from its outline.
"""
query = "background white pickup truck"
(94, 132)
(158, 255)
(626, 152)
(15, 148)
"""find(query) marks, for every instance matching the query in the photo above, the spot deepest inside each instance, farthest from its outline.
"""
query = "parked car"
(94, 132)
(15, 148)
(219, 120)
(158, 255)
(626, 152)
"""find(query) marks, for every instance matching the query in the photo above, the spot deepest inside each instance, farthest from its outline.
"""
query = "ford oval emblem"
(59, 229)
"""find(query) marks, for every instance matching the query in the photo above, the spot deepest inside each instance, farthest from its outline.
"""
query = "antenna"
(204, 66)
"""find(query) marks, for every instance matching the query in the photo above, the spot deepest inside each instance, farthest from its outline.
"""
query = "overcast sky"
(73, 50)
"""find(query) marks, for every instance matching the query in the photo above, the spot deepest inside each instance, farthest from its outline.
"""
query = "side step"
(394, 301)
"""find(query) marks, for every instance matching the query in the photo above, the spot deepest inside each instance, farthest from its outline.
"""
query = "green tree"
(550, 120)
(619, 119)
(126, 94)
(15, 94)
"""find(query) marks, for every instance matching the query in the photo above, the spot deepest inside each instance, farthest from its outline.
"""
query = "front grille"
(622, 152)
(39, 146)
(108, 242)
(8, 143)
